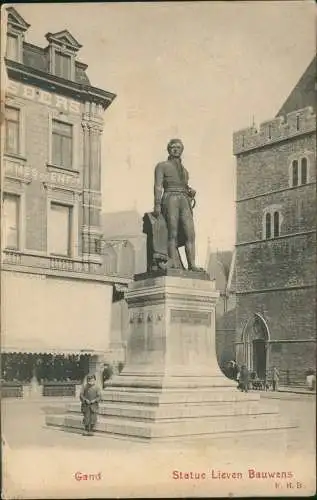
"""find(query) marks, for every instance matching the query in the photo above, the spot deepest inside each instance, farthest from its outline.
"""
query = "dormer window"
(63, 65)
(12, 51)
(61, 53)
(16, 27)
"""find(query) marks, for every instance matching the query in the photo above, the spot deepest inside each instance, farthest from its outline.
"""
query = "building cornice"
(275, 191)
(111, 280)
(276, 289)
(276, 238)
(49, 82)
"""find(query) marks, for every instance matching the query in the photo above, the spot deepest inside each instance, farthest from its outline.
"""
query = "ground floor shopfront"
(55, 327)
(45, 367)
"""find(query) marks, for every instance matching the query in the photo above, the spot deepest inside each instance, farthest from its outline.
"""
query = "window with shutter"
(11, 207)
(60, 229)
(12, 49)
(62, 65)
(12, 130)
(62, 144)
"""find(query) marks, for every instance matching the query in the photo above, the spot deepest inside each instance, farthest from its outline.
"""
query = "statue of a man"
(173, 199)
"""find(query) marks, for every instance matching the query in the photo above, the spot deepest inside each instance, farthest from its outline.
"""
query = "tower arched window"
(271, 222)
(276, 224)
(295, 173)
(299, 171)
(268, 226)
(304, 171)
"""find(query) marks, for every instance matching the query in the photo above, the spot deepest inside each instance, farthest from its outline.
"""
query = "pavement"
(42, 462)
(297, 390)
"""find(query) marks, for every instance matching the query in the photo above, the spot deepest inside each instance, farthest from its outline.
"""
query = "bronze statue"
(171, 224)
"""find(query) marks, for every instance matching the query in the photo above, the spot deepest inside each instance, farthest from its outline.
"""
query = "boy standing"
(90, 395)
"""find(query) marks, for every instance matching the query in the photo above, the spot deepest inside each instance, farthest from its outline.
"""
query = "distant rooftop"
(221, 267)
(122, 224)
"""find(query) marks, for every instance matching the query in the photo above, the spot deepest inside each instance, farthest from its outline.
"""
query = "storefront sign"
(43, 97)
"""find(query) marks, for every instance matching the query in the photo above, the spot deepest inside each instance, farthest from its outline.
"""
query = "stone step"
(186, 381)
(185, 427)
(143, 412)
(173, 397)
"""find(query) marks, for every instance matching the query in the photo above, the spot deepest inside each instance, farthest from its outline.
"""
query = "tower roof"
(304, 92)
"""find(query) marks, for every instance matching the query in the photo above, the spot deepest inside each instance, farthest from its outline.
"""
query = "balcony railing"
(53, 263)
(107, 267)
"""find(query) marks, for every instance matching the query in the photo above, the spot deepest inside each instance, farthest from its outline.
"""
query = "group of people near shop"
(247, 379)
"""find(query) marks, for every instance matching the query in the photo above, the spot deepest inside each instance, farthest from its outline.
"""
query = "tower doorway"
(254, 345)
(259, 357)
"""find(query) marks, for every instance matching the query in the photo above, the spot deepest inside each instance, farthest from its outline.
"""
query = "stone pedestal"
(172, 335)
(171, 385)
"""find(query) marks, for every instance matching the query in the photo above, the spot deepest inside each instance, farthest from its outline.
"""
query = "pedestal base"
(171, 386)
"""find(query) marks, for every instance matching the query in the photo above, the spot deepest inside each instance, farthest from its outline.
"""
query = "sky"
(194, 70)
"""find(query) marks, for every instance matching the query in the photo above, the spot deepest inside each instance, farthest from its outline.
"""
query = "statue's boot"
(172, 253)
(196, 269)
(190, 255)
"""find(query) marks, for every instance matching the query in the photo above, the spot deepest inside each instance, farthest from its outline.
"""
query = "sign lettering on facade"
(26, 173)
(43, 97)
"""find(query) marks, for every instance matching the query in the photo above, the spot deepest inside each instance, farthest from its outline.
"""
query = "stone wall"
(279, 129)
(276, 277)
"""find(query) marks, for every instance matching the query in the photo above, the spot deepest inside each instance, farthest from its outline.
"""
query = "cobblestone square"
(129, 468)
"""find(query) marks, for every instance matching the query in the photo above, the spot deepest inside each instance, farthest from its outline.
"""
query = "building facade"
(276, 238)
(124, 254)
(220, 266)
(56, 295)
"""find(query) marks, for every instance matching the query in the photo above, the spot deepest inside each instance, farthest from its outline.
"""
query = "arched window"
(271, 222)
(276, 224)
(295, 173)
(299, 171)
(268, 226)
(304, 171)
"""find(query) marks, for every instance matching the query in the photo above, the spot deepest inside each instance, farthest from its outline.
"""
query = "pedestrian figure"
(244, 379)
(235, 371)
(311, 380)
(275, 378)
(90, 396)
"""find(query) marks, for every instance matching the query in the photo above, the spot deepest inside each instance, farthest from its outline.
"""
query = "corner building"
(56, 295)
(276, 238)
